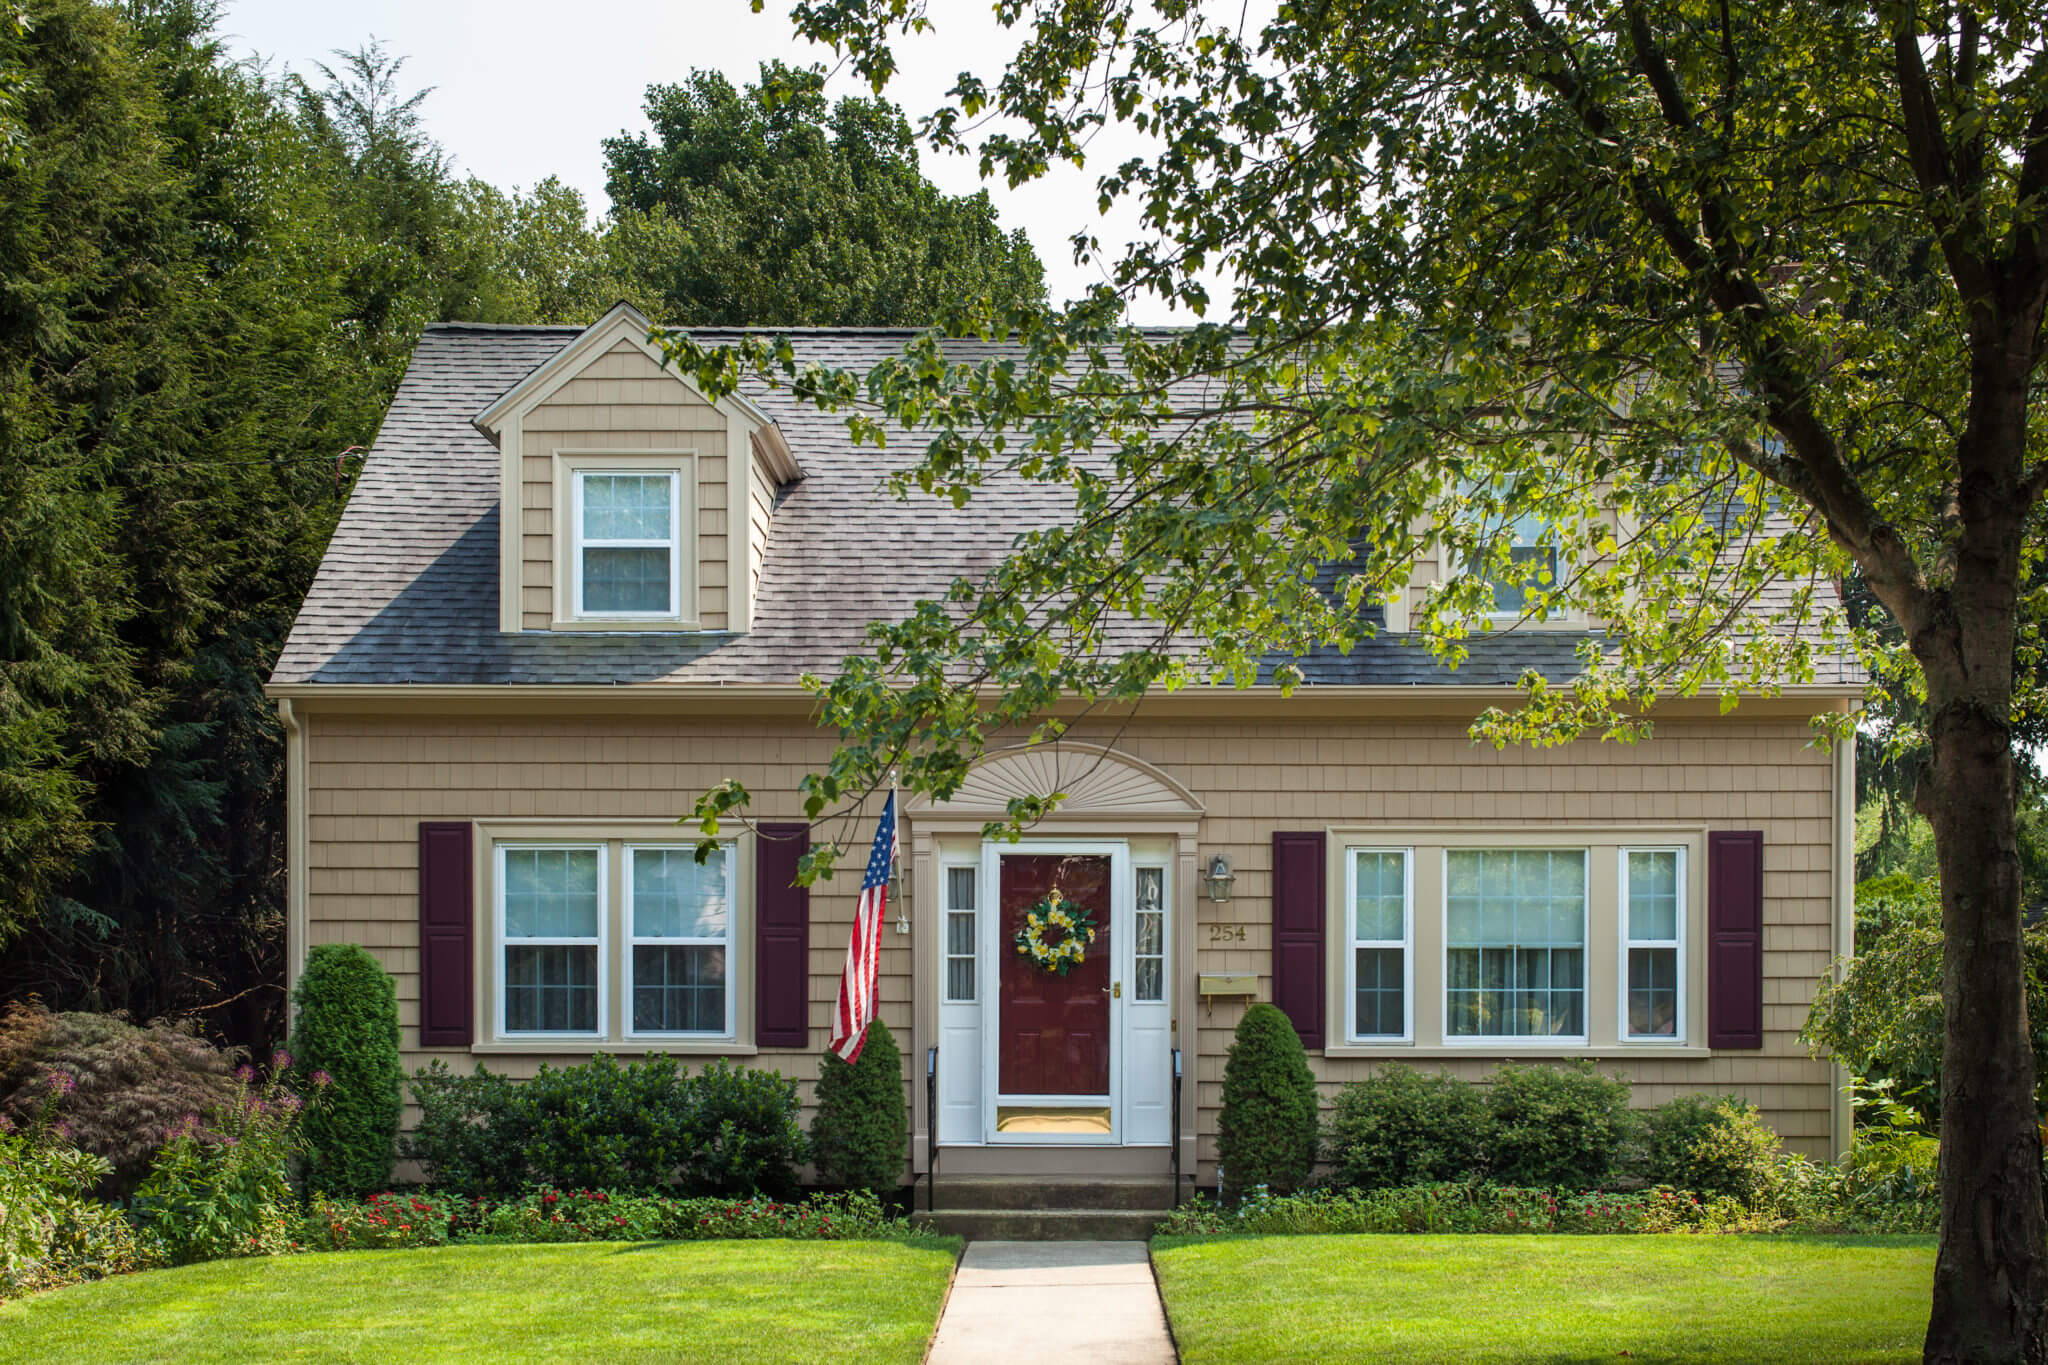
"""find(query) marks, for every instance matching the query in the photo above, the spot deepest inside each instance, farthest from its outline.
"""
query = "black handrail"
(931, 1132)
(1175, 1129)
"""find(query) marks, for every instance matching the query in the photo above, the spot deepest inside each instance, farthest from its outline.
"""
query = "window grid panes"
(1148, 940)
(551, 907)
(1379, 943)
(679, 917)
(1515, 943)
(960, 934)
(627, 544)
(1653, 918)
(1532, 565)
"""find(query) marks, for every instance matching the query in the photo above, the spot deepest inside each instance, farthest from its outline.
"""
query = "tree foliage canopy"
(1735, 299)
(211, 279)
(775, 207)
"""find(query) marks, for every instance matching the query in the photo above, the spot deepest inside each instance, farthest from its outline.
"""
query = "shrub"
(862, 1130)
(1403, 1127)
(465, 1139)
(741, 1134)
(1266, 1134)
(129, 1086)
(601, 1125)
(1669, 1132)
(225, 1190)
(604, 1125)
(1555, 1126)
(52, 1231)
(347, 1026)
(1883, 1019)
(1736, 1156)
(383, 1221)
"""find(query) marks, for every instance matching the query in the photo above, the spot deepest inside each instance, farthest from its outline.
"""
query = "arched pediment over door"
(1099, 784)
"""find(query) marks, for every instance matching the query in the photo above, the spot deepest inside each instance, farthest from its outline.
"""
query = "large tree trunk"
(1991, 1277)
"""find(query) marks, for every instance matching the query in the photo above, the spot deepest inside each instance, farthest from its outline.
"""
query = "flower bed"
(1483, 1207)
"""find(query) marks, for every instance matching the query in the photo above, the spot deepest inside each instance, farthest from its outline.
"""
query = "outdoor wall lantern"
(1220, 878)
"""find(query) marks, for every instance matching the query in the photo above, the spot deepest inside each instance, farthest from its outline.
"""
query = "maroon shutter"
(782, 939)
(1298, 871)
(447, 922)
(1735, 939)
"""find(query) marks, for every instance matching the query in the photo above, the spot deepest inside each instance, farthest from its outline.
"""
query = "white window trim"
(501, 942)
(1624, 941)
(1352, 943)
(947, 867)
(1540, 1042)
(578, 543)
(633, 940)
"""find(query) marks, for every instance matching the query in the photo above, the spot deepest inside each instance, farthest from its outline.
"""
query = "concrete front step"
(1042, 1225)
(1027, 1194)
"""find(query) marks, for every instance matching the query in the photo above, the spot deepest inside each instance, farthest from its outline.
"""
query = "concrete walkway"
(1054, 1301)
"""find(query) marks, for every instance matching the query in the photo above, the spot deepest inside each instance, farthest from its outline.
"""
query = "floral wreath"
(1056, 935)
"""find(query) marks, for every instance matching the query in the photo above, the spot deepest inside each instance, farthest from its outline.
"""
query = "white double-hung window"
(1653, 952)
(1515, 943)
(551, 924)
(626, 558)
(1379, 968)
(679, 916)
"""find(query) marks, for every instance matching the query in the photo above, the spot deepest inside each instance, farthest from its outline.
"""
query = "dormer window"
(627, 558)
(1533, 565)
(627, 552)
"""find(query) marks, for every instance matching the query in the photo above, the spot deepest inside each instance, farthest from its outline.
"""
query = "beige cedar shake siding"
(623, 402)
(371, 778)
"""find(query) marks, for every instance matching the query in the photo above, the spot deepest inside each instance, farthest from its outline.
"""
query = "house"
(569, 593)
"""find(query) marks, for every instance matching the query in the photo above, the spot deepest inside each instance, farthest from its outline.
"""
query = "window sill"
(584, 1047)
(627, 625)
(1490, 1051)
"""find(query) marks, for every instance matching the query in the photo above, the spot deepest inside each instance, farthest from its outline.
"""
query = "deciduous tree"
(1631, 268)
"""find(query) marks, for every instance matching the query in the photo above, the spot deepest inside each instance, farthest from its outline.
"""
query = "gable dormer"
(627, 499)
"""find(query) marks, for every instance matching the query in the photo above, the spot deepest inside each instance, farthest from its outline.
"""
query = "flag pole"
(902, 892)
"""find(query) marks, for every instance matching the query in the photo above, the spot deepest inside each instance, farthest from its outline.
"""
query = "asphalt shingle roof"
(408, 590)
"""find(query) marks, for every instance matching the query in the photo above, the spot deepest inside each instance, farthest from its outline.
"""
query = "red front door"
(1053, 1030)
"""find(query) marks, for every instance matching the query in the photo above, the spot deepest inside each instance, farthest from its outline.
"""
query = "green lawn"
(721, 1301)
(1550, 1299)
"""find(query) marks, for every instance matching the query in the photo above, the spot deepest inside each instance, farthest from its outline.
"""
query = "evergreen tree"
(772, 206)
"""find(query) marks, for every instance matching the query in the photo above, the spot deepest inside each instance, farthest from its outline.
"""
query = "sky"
(525, 89)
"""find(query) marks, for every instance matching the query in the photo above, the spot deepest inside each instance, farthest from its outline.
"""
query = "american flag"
(856, 1007)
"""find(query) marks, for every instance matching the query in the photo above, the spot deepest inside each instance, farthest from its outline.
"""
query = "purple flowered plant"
(60, 1082)
(280, 1060)
(322, 1079)
(245, 1073)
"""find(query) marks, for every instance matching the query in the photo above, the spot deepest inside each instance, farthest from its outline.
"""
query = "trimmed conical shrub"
(862, 1129)
(1267, 1132)
(347, 1026)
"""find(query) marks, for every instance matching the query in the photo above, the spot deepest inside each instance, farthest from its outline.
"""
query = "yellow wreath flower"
(1076, 928)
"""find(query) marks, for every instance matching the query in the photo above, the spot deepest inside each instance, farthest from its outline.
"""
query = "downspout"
(295, 844)
(1841, 1114)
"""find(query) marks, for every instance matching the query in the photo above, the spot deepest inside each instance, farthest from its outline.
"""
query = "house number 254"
(1226, 933)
